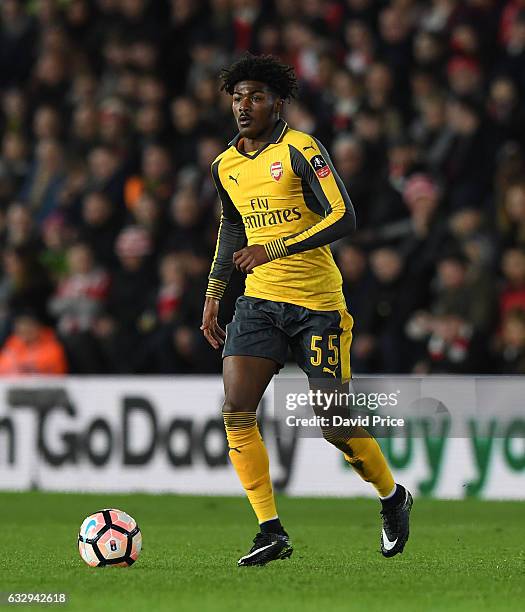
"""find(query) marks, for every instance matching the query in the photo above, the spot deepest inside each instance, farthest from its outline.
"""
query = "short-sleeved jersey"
(288, 197)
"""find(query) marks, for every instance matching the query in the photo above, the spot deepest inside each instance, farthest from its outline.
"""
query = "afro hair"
(279, 77)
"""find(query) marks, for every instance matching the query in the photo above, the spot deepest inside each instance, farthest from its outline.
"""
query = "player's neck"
(249, 145)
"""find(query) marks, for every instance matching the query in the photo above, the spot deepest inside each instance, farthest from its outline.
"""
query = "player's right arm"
(231, 238)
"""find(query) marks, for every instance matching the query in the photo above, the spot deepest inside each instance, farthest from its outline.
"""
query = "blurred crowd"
(110, 115)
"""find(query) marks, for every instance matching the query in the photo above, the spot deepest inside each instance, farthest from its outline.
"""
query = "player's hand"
(248, 258)
(213, 333)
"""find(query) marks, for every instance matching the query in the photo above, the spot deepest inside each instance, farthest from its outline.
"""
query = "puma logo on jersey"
(309, 147)
(234, 178)
(329, 371)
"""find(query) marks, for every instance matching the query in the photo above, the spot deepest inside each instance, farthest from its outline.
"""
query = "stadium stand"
(110, 115)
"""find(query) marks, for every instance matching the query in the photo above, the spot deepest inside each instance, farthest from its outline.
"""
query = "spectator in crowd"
(468, 157)
(150, 214)
(171, 289)
(15, 112)
(513, 38)
(512, 215)
(462, 309)
(14, 164)
(201, 180)
(513, 291)
(162, 314)
(370, 130)
(156, 177)
(99, 226)
(419, 238)
(387, 204)
(349, 159)
(113, 125)
(55, 237)
(78, 301)
(25, 284)
(149, 124)
(464, 77)
(468, 230)
(120, 329)
(107, 174)
(20, 229)
(346, 96)
(49, 81)
(453, 347)
(359, 46)
(187, 129)
(431, 132)
(505, 113)
(378, 344)
(187, 224)
(455, 292)
(428, 50)
(46, 123)
(17, 36)
(357, 282)
(45, 179)
(32, 349)
(509, 353)
(84, 130)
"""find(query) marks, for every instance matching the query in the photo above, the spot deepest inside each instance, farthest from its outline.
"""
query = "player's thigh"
(322, 347)
(245, 381)
(254, 350)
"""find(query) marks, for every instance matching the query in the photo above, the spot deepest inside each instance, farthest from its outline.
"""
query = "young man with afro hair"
(282, 205)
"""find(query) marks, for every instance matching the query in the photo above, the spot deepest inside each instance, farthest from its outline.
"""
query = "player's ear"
(278, 105)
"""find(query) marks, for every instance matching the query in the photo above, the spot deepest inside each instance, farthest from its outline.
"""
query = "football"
(109, 537)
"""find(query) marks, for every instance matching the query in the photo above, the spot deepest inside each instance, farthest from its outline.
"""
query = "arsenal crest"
(276, 170)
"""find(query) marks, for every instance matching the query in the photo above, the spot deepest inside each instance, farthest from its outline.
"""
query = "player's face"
(255, 108)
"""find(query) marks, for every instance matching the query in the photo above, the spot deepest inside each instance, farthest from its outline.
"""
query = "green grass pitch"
(462, 555)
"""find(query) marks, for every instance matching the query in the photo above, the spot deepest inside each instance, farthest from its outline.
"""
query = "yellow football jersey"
(288, 197)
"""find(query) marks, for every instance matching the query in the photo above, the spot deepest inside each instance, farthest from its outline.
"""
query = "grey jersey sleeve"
(320, 199)
(231, 237)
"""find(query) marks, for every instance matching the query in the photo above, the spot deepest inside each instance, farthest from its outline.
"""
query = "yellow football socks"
(250, 460)
(365, 456)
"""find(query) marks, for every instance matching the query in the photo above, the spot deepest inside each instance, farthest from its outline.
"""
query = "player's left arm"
(318, 171)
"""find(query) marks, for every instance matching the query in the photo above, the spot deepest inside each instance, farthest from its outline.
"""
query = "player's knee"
(230, 405)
